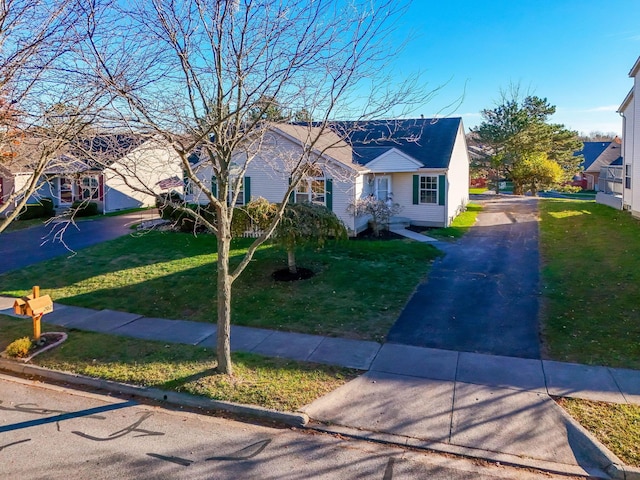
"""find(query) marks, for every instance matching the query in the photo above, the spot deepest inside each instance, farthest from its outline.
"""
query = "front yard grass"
(358, 291)
(616, 426)
(460, 225)
(275, 383)
(591, 273)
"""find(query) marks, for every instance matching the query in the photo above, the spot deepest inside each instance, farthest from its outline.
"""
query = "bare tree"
(45, 102)
(195, 74)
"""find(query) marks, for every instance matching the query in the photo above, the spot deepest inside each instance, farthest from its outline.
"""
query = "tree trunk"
(224, 299)
(291, 260)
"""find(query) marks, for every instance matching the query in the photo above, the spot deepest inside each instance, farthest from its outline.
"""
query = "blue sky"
(576, 53)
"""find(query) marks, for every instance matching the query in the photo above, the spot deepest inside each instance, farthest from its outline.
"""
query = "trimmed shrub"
(42, 209)
(84, 209)
(19, 348)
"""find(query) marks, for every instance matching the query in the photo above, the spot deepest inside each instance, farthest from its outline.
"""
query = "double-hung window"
(312, 189)
(428, 189)
(240, 199)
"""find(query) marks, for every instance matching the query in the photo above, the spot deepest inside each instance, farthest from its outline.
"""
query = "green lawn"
(358, 291)
(275, 383)
(460, 225)
(477, 191)
(616, 426)
(591, 274)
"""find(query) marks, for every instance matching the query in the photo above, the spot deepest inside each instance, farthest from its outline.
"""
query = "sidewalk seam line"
(544, 374)
(453, 398)
(617, 384)
(316, 348)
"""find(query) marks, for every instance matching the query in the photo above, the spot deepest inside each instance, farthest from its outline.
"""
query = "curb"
(182, 399)
(613, 466)
(468, 452)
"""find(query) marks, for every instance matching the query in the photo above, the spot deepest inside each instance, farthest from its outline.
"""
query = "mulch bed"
(284, 275)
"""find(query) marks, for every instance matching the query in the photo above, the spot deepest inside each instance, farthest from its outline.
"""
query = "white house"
(421, 164)
(118, 172)
(630, 136)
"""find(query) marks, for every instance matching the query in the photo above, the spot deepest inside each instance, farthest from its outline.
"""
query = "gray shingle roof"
(429, 141)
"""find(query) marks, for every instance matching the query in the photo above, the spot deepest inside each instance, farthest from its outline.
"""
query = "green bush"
(163, 204)
(42, 209)
(84, 209)
(19, 348)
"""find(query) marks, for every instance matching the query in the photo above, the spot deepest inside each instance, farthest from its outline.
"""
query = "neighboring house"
(117, 172)
(420, 164)
(630, 137)
(596, 156)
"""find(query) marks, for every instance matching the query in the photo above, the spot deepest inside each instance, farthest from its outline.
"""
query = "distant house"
(117, 172)
(420, 164)
(630, 168)
(597, 155)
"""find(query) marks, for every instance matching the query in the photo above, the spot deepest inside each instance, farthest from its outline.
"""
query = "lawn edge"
(616, 468)
(293, 419)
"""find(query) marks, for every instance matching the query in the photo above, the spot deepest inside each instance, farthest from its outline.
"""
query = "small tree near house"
(379, 211)
(304, 223)
(205, 77)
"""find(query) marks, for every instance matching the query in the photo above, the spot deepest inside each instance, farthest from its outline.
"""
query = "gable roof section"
(635, 68)
(428, 141)
(94, 153)
(625, 103)
(325, 142)
(591, 151)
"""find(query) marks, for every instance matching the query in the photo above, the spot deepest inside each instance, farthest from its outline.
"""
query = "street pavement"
(482, 296)
(49, 432)
(26, 247)
(485, 406)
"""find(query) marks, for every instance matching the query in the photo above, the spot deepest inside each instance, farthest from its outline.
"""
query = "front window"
(89, 188)
(240, 199)
(312, 189)
(428, 189)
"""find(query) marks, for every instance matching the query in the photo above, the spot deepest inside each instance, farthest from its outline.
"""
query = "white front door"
(383, 188)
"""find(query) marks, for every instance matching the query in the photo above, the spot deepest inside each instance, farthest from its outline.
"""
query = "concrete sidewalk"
(485, 406)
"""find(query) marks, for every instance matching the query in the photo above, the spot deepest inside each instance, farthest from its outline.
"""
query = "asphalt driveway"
(22, 248)
(482, 296)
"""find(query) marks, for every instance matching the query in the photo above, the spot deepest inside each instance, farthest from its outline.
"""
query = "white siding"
(132, 181)
(634, 119)
(458, 177)
(422, 214)
(270, 173)
(627, 151)
(393, 161)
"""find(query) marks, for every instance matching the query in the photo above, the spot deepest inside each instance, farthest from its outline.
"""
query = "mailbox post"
(35, 306)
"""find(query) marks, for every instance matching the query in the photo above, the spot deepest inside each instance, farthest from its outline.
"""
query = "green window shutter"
(214, 186)
(416, 189)
(329, 193)
(442, 185)
(291, 195)
(247, 190)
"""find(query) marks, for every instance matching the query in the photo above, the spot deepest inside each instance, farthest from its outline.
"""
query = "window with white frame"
(312, 189)
(240, 199)
(90, 188)
(242, 190)
(428, 189)
(627, 175)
